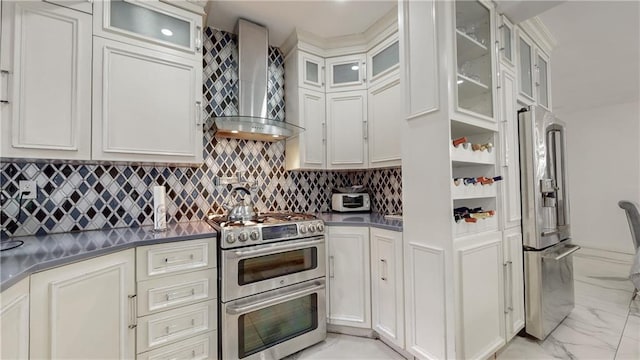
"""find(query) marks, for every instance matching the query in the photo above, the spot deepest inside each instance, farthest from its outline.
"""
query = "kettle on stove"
(240, 211)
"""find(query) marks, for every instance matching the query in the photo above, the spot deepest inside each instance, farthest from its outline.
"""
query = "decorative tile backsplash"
(88, 196)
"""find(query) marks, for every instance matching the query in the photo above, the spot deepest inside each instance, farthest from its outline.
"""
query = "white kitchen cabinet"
(345, 73)
(510, 165)
(387, 285)
(150, 23)
(14, 321)
(85, 310)
(45, 63)
(139, 91)
(196, 347)
(525, 68)
(543, 79)
(475, 59)
(347, 130)
(306, 108)
(506, 41)
(384, 116)
(480, 304)
(349, 286)
(383, 60)
(513, 282)
(311, 71)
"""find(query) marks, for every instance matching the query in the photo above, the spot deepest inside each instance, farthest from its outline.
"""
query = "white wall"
(595, 81)
(604, 167)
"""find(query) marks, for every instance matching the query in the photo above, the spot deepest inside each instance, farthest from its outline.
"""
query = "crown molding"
(343, 45)
(540, 34)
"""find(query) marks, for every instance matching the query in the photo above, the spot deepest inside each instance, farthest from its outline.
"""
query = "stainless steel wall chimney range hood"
(253, 122)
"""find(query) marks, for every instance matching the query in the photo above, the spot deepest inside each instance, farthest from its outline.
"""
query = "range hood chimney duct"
(253, 121)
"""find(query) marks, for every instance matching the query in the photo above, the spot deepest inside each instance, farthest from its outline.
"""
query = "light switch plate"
(28, 189)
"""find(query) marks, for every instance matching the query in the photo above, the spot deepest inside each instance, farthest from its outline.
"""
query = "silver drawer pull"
(186, 294)
(173, 260)
(571, 250)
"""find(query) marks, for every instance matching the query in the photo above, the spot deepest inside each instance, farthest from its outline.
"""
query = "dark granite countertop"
(361, 219)
(40, 253)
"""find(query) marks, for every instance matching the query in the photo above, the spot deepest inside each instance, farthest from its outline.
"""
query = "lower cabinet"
(480, 295)
(203, 346)
(349, 290)
(84, 310)
(387, 285)
(513, 282)
(14, 321)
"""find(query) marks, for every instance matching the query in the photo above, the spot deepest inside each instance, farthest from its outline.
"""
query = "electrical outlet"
(28, 189)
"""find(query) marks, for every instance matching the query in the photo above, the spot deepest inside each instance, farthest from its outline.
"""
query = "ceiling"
(597, 58)
(328, 18)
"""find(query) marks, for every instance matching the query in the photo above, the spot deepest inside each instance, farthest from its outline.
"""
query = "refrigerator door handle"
(571, 250)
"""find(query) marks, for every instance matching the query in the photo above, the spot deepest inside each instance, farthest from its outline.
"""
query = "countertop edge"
(54, 263)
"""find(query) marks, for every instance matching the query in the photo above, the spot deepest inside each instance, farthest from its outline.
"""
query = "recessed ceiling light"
(234, 131)
(166, 32)
(355, 67)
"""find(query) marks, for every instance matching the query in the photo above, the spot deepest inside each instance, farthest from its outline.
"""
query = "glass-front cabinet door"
(542, 79)
(311, 71)
(346, 73)
(506, 40)
(475, 58)
(383, 59)
(525, 67)
(149, 21)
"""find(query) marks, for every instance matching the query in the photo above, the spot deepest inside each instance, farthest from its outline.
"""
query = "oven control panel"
(263, 233)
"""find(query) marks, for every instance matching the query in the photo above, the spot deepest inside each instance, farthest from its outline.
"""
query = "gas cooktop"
(265, 228)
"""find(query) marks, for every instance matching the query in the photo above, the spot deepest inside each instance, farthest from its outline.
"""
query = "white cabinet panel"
(308, 149)
(479, 271)
(174, 325)
(175, 258)
(349, 290)
(510, 158)
(346, 73)
(139, 91)
(197, 347)
(83, 310)
(543, 79)
(525, 67)
(384, 118)
(311, 71)
(387, 280)
(347, 130)
(14, 321)
(169, 292)
(46, 68)
(514, 282)
(150, 23)
(383, 60)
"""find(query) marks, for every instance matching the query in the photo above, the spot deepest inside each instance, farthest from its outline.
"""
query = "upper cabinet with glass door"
(346, 73)
(475, 58)
(311, 75)
(525, 68)
(506, 41)
(383, 60)
(149, 22)
(541, 74)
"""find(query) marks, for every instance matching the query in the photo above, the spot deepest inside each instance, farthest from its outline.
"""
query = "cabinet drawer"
(178, 290)
(198, 347)
(174, 325)
(177, 257)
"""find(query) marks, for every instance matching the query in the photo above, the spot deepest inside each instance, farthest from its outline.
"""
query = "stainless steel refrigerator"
(546, 235)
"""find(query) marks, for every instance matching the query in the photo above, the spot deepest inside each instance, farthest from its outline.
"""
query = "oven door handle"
(262, 303)
(290, 245)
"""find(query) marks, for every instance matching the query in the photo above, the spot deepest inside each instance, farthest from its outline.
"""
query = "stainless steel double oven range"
(271, 285)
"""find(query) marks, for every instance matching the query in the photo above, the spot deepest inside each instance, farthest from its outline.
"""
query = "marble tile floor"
(604, 325)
